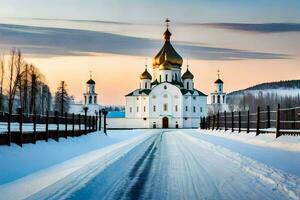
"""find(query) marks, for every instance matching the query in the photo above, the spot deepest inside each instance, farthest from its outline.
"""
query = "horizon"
(238, 45)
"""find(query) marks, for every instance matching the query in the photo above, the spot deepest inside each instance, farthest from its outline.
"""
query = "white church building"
(90, 100)
(168, 98)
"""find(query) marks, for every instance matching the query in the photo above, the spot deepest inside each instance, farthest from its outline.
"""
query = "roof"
(91, 81)
(219, 81)
(167, 53)
(116, 114)
(145, 75)
(138, 92)
(199, 93)
(187, 75)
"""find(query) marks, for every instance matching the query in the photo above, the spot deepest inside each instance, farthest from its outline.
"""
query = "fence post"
(258, 121)
(268, 117)
(79, 124)
(85, 123)
(225, 121)
(278, 122)
(248, 121)
(99, 120)
(90, 123)
(209, 122)
(66, 125)
(232, 121)
(240, 119)
(9, 128)
(294, 118)
(73, 124)
(20, 126)
(218, 121)
(47, 126)
(214, 119)
(34, 128)
(104, 121)
(57, 125)
(96, 122)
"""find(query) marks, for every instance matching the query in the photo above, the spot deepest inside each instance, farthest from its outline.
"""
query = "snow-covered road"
(166, 164)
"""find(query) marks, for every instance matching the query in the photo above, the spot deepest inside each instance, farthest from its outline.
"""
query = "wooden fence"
(25, 128)
(281, 121)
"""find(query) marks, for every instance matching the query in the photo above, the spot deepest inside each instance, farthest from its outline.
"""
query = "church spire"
(167, 34)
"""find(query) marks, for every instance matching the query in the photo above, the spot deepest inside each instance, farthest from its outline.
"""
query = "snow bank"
(73, 169)
(282, 181)
(287, 143)
(17, 162)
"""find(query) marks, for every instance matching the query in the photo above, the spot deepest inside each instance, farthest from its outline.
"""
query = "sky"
(249, 41)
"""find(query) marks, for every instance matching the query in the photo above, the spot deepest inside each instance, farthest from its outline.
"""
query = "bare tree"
(2, 71)
(62, 98)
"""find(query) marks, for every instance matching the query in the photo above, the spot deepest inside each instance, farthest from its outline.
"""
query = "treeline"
(250, 102)
(23, 86)
(288, 84)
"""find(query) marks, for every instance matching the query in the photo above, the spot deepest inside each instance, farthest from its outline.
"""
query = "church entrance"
(165, 122)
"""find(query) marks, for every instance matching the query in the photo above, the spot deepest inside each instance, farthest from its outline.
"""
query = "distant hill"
(281, 88)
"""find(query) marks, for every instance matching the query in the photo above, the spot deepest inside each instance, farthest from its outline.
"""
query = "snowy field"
(154, 164)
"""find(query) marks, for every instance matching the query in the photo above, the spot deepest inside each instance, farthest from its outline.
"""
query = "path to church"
(175, 165)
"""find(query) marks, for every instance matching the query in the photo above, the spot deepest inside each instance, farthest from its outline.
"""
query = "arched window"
(165, 107)
(166, 78)
(218, 99)
(176, 77)
(95, 100)
(90, 99)
(85, 100)
(187, 85)
(144, 108)
(194, 109)
(214, 99)
(176, 108)
(223, 98)
(146, 85)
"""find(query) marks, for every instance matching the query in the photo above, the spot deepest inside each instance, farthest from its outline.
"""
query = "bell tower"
(90, 96)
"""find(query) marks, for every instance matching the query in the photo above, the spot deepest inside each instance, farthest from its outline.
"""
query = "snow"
(160, 164)
(285, 142)
(44, 154)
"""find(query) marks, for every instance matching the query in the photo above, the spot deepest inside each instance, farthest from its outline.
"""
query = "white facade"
(218, 97)
(168, 100)
(90, 101)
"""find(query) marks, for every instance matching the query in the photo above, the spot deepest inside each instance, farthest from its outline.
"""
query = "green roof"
(185, 91)
(143, 91)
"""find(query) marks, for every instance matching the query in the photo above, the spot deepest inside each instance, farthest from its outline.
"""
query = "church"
(167, 98)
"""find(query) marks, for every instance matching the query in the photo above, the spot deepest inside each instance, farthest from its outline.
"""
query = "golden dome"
(165, 66)
(167, 53)
(145, 75)
(187, 75)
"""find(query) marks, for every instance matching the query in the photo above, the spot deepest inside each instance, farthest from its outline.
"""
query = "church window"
(165, 107)
(90, 99)
(85, 100)
(176, 108)
(165, 87)
(144, 108)
(175, 77)
(153, 96)
(224, 99)
(159, 78)
(137, 109)
(214, 99)
(137, 98)
(218, 99)
(130, 109)
(194, 98)
(187, 85)
(194, 109)
(154, 108)
(165, 96)
(176, 96)
(95, 99)
(186, 108)
(220, 88)
(200, 109)
(145, 85)
(166, 77)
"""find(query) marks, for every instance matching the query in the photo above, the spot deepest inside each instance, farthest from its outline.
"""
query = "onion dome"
(165, 66)
(187, 75)
(146, 75)
(167, 53)
(91, 81)
(219, 81)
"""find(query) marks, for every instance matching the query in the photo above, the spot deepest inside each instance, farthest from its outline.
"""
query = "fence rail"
(281, 121)
(28, 128)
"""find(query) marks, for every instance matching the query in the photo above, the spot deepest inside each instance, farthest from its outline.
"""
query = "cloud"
(58, 41)
(257, 28)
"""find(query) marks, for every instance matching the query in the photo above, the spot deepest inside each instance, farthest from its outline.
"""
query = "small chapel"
(167, 98)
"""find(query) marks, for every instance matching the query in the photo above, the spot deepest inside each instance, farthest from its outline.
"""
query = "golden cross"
(167, 22)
